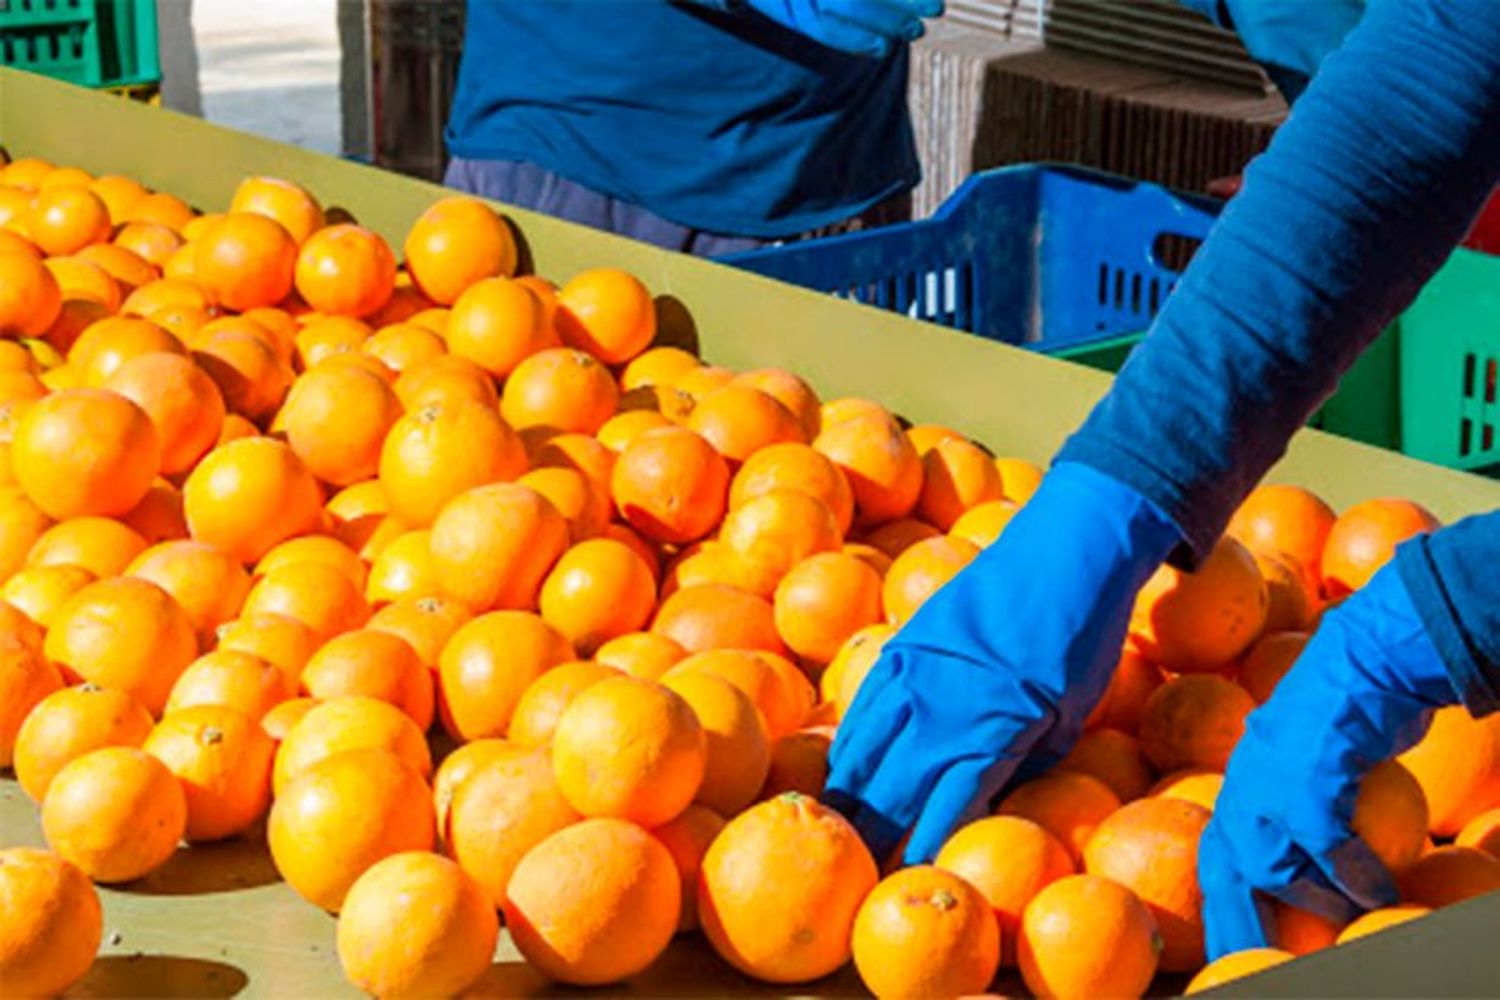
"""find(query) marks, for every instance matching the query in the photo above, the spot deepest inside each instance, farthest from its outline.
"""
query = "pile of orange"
(279, 501)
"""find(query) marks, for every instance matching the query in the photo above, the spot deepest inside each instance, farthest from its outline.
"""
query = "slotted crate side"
(93, 43)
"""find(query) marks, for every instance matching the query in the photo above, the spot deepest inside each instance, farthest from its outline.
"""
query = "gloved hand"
(1362, 691)
(998, 670)
(1289, 38)
(859, 27)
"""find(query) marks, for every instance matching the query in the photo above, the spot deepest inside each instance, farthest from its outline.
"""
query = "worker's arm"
(1288, 38)
(859, 27)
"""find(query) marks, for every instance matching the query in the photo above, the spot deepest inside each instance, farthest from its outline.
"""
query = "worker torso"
(723, 122)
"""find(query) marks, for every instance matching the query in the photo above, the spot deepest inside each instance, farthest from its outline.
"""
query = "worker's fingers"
(865, 734)
(847, 36)
(888, 18)
(1234, 919)
(961, 795)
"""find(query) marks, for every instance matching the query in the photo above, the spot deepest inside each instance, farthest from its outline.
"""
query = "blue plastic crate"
(1046, 256)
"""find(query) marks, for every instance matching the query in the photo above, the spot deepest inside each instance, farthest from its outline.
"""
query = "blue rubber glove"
(1362, 691)
(998, 670)
(1288, 38)
(859, 27)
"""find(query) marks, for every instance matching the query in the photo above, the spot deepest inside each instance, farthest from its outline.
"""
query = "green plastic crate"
(1450, 366)
(93, 43)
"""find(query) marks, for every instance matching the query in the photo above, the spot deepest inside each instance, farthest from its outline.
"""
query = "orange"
(1067, 804)
(280, 720)
(706, 562)
(713, 616)
(78, 278)
(116, 812)
(22, 523)
(925, 932)
(1197, 785)
(1084, 936)
(124, 633)
(1009, 860)
(278, 639)
(883, 469)
(446, 379)
(670, 485)
(403, 568)
(404, 345)
(1293, 600)
(788, 390)
(739, 421)
(223, 759)
(983, 523)
(584, 506)
(579, 453)
(594, 903)
(245, 367)
(956, 476)
(894, 537)
(65, 177)
(333, 821)
(287, 203)
(1268, 661)
(1364, 538)
(498, 323)
(925, 437)
(446, 925)
(1134, 679)
(426, 623)
(667, 400)
(608, 313)
(1288, 520)
(14, 204)
(320, 549)
(784, 930)
(25, 679)
(492, 545)
(183, 403)
(327, 336)
(920, 571)
(456, 242)
(98, 544)
(105, 346)
(435, 453)
(1193, 721)
(321, 598)
(619, 430)
(687, 839)
(68, 724)
(14, 624)
(739, 753)
(349, 722)
(799, 763)
(1457, 763)
(158, 517)
(30, 299)
(1200, 621)
(658, 365)
(245, 261)
(160, 208)
(126, 267)
(40, 592)
(207, 584)
(598, 590)
(64, 220)
(562, 389)
(849, 667)
(248, 496)
(152, 242)
(164, 293)
(1448, 875)
(233, 679)
(345, 270)
(545, 699)
(1114, 758)
(632, 539)
(1236, 965)
(1302, 932)
(336, 418)
(646, 655)
(459, 766)
(775, 531)
(372, 664)
(487, 666)
(1379, 920)
(85, 451)
(838, 411)
(630, 749)
(53, 922)
(1482, 832)
(25, 172)
(1151, 847)
(501, 811)
(822, 601)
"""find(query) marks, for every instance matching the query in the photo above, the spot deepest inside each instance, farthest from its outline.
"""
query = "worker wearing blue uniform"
(1360, 197)
(709, 126)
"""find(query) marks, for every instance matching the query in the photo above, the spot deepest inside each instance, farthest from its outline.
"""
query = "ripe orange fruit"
(426, 623)
(1379, 920)
(594, 903)
(446, 925)
(1151, 847)
(1482, 832)
(30, 299)
(80, 279)
(1114, 758)
(739, 752)
(1236, 965)
(53, 922)
(345, 270)
(498, 323)
(956, 476)
(559, 388)
(458, 767)
(658, 365)
(455, 243)
(1200, 621)
(1293, 599)
(706, 562)
(246, 368)
(248, 496)
(124, 633)
(162, 209)
(983, 523)
(158, 517)
(488, 665)
(207, 584)
(26, 172)
(334, 820)
(404, 345)
(336, 418)
(1448, 875)
(739, 421)
(1302, 932)
(183, 403)
(330, 336)
(128, 268)
(925, 437)
(579, 453)
(85, 451)
(1284, 519)
(799, 762)
(22, 523)
(822, 601)
(924, 931)
(447, 379)
(232, 679)
(1199, 785)
(784, 930)
(25, 679)
(245, 261)
(65, 177)
(350, 722)
(536, 714)
(492, 545)
(321, 598)
(667, 400)
(770, 687)
(847, 671)
(280, 719)
(151, 241)
(64, 220)
(105, 346)
(619, 430)
(687, 839)
(1457, 763)
(1085, 935)
(584, 506)
(14, 624)
(500, 812)
(1134, 679)
(373, 664)
(165, 293)
(670, 485)
(1364, 538)
(598, 590)
(40, 592)
(788, 390)
(1390, 815)
(920, 571)
(403, 568)
(775, 531)
(223, 759)
(435, 453)
(100, 545)
(608, 313)
(287, 203)
(117, 813)
(1067, 804)
(646, 655)
(1268, 661)
(319, 549)
(70, 723)
(713, 616)
(883, 469)
(1193, 721)
(894, 537)
(285, 642)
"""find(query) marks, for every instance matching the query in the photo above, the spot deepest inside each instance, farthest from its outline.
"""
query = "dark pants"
(526, 185)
